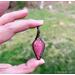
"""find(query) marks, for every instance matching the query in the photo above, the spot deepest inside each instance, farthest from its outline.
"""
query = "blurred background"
(58, 33)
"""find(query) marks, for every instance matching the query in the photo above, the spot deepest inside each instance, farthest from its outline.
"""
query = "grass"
(58, 33)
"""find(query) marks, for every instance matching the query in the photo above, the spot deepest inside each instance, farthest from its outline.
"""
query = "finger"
(3, 6)
(33, 64)
(13, 15)
(25, 68)
(21, 25)
(7, 31)
(4, 66)
(5, 34)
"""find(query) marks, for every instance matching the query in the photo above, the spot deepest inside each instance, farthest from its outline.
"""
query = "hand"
(10, 24)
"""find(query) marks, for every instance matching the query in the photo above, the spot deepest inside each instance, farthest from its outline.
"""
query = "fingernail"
(25, 9)
(41, 61)
(41, 21)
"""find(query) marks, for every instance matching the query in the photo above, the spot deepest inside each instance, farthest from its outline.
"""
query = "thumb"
(32, 64)
(29, 67)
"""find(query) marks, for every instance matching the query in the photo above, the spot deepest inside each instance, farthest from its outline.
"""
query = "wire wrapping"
(38, 33)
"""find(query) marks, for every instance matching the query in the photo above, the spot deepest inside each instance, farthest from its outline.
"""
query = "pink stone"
(38, 47)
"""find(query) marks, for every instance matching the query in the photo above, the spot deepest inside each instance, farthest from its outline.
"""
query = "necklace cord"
(38, 32)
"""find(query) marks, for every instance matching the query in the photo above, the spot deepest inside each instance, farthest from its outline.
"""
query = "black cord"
(38, 33)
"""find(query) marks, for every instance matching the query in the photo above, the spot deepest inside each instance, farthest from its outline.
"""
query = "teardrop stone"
(38, 47)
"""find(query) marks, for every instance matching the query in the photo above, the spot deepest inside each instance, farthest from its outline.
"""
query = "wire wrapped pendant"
(38, 45)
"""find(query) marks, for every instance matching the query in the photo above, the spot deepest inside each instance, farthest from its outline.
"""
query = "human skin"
(3, 6)
(10, 24)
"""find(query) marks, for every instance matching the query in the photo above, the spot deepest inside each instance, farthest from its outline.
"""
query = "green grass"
(58, 33)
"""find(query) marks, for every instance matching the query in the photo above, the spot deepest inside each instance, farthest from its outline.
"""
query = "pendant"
(38, 45)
